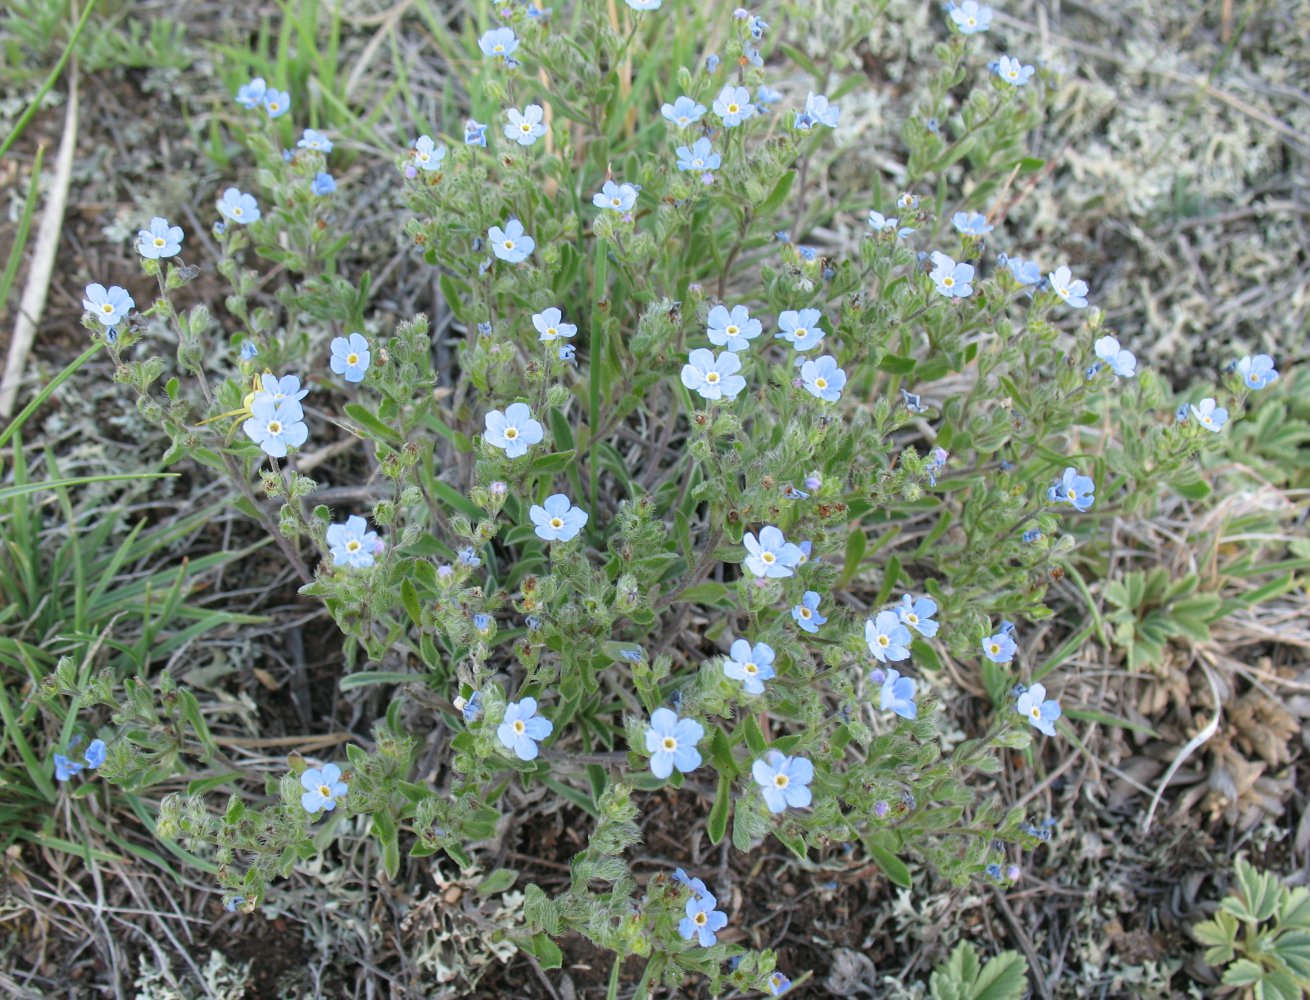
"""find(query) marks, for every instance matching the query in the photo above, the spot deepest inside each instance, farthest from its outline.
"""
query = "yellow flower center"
(802, 333)
(670, 744)
(519, 727)
(768, 558)
(498, 48)
(712, 378)
(948, 281)
(107, 308)
(1064, 292)
(325, 791)
(353, 545)
(995, 647)
(1073, 494)
(511, 433)
(616, 202)
(883, 641)
(556, 522)
(423, 157)
(525, 127)
(508, 244)
(159, 241)
(732, 109)
(821, 383)
(352, 358)
(731, 330)
(973, 22)
(237, 211)
(273, 105)
(275, 427)
(552, 331)
(700, 917)
(750, 668)
(780, 780)
(805, 612)
(911, 618)
(1036, 712)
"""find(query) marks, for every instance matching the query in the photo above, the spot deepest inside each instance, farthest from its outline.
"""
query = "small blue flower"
(702, 919)
(482, 622)
(884, 224)
(806, 614)
(1181, 414)
(757, 25)
(615, 197)
(232, 904)
(239, 207)
(897, 695)
(822, 378)
(907, 202)
(765, 97)
(778, 984)
(752, 665)
(711, 376)
(323, 787)
(278, 389)
(527, 127)
(1038, 709)
(523, 728)
(784, 781)
(700, 155)
(109, 305)
(999, 648)
(427, 154)
(913, 402)
(1075, 490)
(160, 240)
(819, 112)
(1257, 372)
(887, 638)
(472, 709)
(1211, 417)
(1032, 535)
(475, 133)
(557, 519)
(694, 884)
(511, 244)
(1006, 627)
(1074, 293)
(971, 17)
(952, 280)
(551, 326)
(323, 184)
(251, 95)
(1013, 72)
(711, 62)
(733, 330)
(683, 112)
(1026, 272)
(316, 141)
(632, 655)
(733, 105)
(276, 426)
(500, 42)
(671, 742)
(249, 351)
(994, 870)
(644, 4)
(1121, 361)
(350, 357)
(971, 223)
(917, 614)
(276, 102)
(467, 557)
(352, 544)
(568, 353)
(771, 555)
(513, 429)
(65, 768)
(800, 328)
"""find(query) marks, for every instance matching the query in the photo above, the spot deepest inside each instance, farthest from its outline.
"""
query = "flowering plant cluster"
(713, 500)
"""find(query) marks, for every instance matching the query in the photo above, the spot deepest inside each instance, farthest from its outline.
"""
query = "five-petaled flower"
(1026, 272)
(1073, 292)
(671, 742)
(550, 324)
(276, 102)
(806, 614)
(784, 781)
(1208, 415)
(897, 695)
(251, 95)
(513, 429)
(352, 544)
(238, 206)
(1121, 360)
(523, 728)
(1257, 372)
(499, 42)
(316, 141)
(276, 426)
(511, 244)
(733, 105)
(971, 223)
(733, 330)
(971, 17)
(109, 305)
(1013, 72)
(713, 376)
(889, 224)
(526, 127)
(888, 639)
(160, 240)
(1038, 709)
(323, 787)
(1000, 648)
(752, 665)
(778, 984)
(323, 184)
(269, 386)
(557, 519)
(475, 133)
(683, 112)
(1075, 490)
(350, 357)
(917, 614)
(427, 154)
(952, 280)
(615, 197)
(702, 919)
(817, 112)
(699, 156)
(822, 378)
(800, 328)
(771, 555)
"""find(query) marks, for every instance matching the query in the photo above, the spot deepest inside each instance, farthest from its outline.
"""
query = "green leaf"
(498, 881)
(352, 681)
(894, 868)
(750, 729)
(1005, 977)
(375, 428)
(384, 828)
(778, 195)
(896, 365)
(857, 542)
(409, 598)
(708, 594)
(546, 950)
(718, 824)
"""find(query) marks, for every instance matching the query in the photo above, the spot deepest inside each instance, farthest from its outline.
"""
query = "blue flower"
(778, 984)
(1033, 535)
(323, 184)
(109, 305)
(885, 224)
(557, 520)
(65, 768)
(818, 111)
(472, 709)
(499, 42)
(999, 648)
(475, 133)
(822, 378)
(800, 328)
(712, 62)
(764, 96)
(278, 389)
(733, 330)
(694, 884)
(549, 323)
(913, 401)
(683, 112)
(887, 638)
(1026, 272)
(1013, 72)
(249, 351)
(771, 555)
(971, 223)
(427, 154)
(632, 655)
(467, 557)
(711, 376)
(784, 781)
(644, 4)
(702, 919)
(733, 105)
(511, 244)
(352, 544)
(160, 240)
(251, 95)
(1121, 361)
(952, 280)
(757, 25)
(238, 207)
(752, 665)
(232, 904)
(1211, 417)
(276, 426)
(316, 141)
(971, 17)
(350, 357)
(513, 430)
(907, 202)
(525, 128)
(276, 102)
(897, 695)
(1076, 490)
(523, 728)
(806, 614)
(671, 742)
(1073, 292)
(699, 155)
(615, 197)
(917, 614)
(323, 786)
(1039, 710)
(1257, 372)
